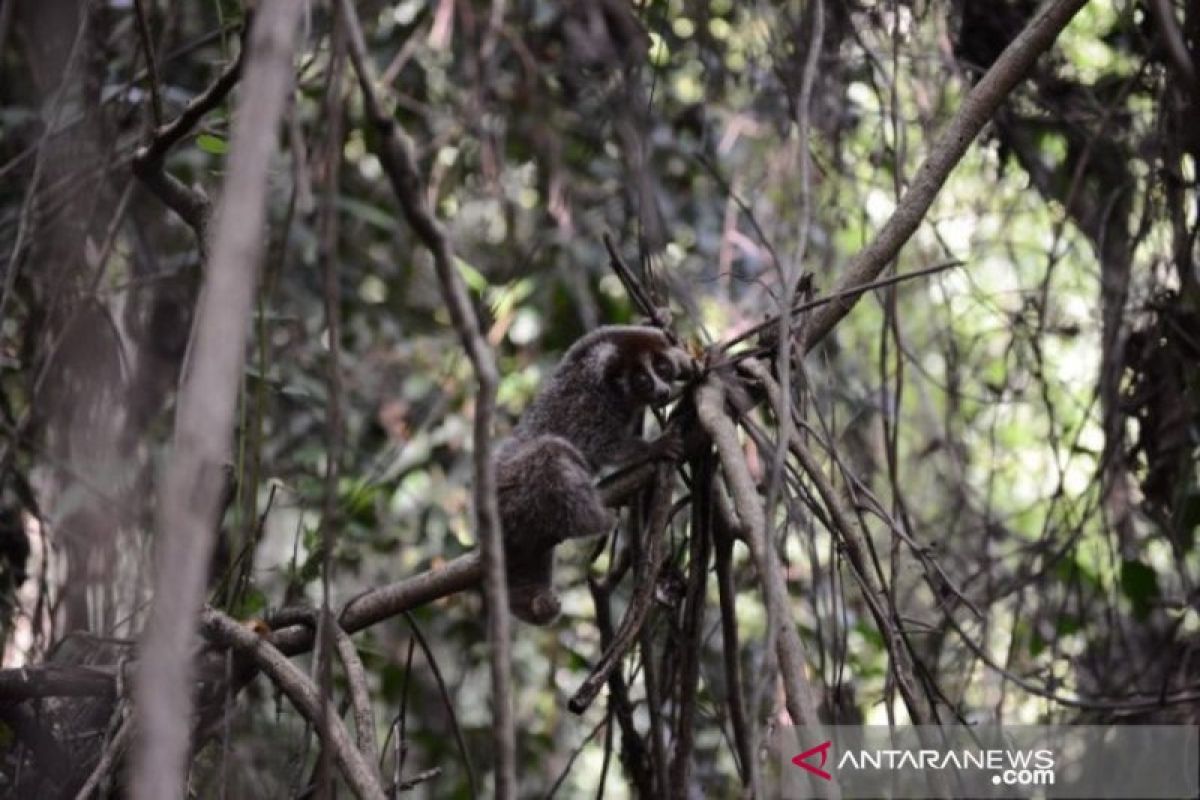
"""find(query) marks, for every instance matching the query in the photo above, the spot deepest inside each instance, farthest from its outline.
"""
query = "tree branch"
(799, 694)
(303, 693)
(851, 537)
(360, 694)
(194, 482)
(192, 205)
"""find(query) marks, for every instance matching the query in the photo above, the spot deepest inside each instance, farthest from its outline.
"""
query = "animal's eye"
(664, 367)
(641, 383)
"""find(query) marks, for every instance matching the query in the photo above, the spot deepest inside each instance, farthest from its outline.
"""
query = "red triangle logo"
(802, 760)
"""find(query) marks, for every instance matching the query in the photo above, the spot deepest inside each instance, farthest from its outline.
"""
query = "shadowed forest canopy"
(276, 278)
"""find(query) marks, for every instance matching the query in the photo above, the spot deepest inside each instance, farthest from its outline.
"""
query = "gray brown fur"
(582, 420)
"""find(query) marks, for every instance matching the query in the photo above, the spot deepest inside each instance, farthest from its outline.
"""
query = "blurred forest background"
(1015, 432)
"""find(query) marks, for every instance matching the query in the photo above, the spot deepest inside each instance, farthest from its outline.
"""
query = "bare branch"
(114, 749)
(800, 697)
(388, 601)
(743, 731)
(358, 771)
(853, 538)
(692, 628)
(143, 26)
(360, 693)
(632, 286)
(167, 136)
(817, 302)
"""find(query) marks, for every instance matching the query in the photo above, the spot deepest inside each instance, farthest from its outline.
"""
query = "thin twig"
(167, 136)
(809, 305)
(191, 204)
(566, 770)
(633, 749)
(743, 732)
(416, 780)
(853, 540)
(692, 628)
(108, 757)
(459, 739)
(143, 26)
(633, 287)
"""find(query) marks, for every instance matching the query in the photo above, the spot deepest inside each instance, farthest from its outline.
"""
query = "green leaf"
(1140, 584)
(358, 502)
(252, 605)
(1070, 571)
(1036, 643)
(367, 213)
(473, 277)
(212, 144)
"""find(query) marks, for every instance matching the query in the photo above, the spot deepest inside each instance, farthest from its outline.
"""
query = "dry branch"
(692, 627)
(108, 759)
(360, 693)
(633, 287)
(194, 481)
(300, 689)
(743, 732)
(800, 697)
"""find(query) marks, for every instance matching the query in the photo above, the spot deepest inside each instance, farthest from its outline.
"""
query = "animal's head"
(638, 363)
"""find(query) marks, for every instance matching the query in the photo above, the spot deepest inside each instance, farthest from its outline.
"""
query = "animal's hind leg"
(531, 595)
